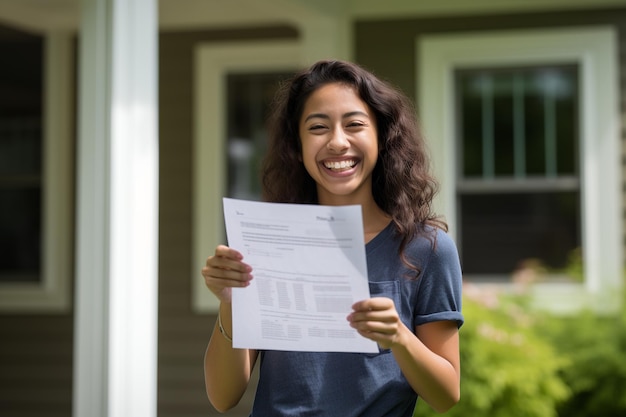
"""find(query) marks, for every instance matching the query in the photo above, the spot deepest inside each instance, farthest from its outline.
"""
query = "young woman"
(341, 136)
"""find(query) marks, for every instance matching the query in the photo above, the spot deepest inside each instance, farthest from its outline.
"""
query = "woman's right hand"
(225, 270)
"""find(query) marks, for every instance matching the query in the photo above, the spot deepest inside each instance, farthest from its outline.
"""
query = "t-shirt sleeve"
(440, 287)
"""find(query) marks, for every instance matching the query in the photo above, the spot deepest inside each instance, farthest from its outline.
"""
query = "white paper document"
(309, 267)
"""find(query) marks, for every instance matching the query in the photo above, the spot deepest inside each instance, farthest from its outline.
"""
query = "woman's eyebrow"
(356, 113)
(325, 116)
(316, 115)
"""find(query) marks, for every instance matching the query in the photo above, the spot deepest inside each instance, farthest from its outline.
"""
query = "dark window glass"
(518, 186)
(249, 100)
(20, 228)
(518, 122)
(21, 95)
(499, 231)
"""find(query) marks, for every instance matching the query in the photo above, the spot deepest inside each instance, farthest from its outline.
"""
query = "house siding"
(36, 365)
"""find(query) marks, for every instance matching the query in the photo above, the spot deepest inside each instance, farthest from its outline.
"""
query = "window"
(523, 129)
(35, 172)
(518, 195)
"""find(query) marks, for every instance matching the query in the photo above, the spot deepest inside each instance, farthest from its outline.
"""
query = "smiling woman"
(340, 136)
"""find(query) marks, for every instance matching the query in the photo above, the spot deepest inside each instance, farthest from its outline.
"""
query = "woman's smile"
(340, 167)
(339, 144)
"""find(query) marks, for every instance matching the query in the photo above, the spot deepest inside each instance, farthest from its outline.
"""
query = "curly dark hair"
(401, 181)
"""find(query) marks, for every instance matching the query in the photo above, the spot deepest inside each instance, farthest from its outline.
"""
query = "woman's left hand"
(378, 320)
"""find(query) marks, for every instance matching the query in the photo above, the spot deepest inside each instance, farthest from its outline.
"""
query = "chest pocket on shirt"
(388, 289)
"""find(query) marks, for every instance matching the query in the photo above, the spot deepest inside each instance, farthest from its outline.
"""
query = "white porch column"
(117, 211)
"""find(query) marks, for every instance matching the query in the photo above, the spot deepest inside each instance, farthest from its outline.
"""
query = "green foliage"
(596, 373)
(508, 370)
(517, 362)
(575, 268)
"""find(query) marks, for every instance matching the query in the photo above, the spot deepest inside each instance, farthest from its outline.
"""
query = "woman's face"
(339, 140)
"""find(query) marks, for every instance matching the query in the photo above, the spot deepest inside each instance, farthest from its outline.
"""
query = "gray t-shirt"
(355, 384)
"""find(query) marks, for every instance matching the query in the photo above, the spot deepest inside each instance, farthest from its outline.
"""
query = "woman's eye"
(356, 124)
(316, 127)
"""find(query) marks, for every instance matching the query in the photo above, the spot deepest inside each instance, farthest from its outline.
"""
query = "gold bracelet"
(222, 331)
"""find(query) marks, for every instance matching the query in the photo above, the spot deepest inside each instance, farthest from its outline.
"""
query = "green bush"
(508, 369)
(517, 362)
(595, 347)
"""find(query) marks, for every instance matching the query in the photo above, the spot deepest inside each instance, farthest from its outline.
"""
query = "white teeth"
(339, 164)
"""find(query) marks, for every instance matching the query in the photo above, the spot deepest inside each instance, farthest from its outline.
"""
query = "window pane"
(499, 231)
(21, 95)
(503, 125)
(552, 106)
(534, 126)
(518, 121)
(20, 147)
(20, 228)
(470, 126)
(249, 99)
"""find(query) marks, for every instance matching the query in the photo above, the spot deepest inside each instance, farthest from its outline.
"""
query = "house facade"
(523, 106)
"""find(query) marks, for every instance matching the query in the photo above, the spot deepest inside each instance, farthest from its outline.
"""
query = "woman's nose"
(338, 141)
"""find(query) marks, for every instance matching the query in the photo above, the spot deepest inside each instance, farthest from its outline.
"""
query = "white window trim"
(53, 293)
(212, 64)
(595, 50)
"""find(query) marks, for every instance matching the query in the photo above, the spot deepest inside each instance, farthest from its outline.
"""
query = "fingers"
(225, 270)
(375, 314)
(226, 257)
(376, 319)
(376, 304)
(225, 277)
(226, 252)
(227, 261)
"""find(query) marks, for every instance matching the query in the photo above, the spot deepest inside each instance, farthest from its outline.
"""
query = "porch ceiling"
(45, 15)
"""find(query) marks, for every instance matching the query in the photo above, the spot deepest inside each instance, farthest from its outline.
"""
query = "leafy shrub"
(508, 369)
(596, 371)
